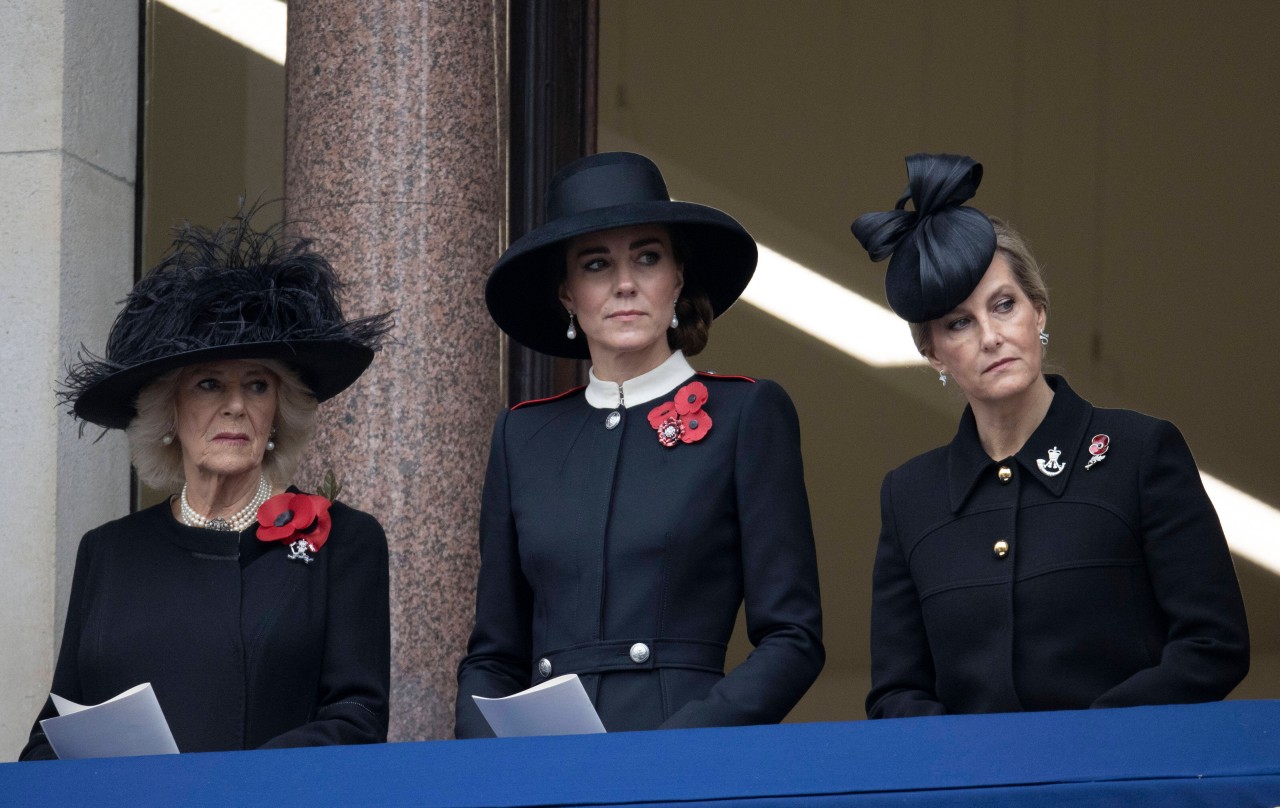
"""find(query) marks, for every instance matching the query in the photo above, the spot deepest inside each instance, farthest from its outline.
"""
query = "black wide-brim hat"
(231, 294)
(603, 192)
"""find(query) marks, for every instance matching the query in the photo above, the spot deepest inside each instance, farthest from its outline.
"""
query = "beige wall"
(1132, 143)
(67, 152)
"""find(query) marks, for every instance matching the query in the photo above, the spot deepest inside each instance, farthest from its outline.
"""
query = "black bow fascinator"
(942, 248)
(233, 293)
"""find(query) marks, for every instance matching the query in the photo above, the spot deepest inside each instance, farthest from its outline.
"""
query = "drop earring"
(1044, 338)
(167, 440)
(271, 444)
(572, 333)
(942, 377)
(675, 321)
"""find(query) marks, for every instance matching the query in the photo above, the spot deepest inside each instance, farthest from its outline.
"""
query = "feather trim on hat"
(235, 286)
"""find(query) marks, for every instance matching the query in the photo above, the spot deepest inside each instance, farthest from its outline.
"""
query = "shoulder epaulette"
(556, 397)
(714, 375)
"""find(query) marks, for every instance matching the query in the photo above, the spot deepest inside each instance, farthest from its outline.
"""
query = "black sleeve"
(499, 651)
(355, 677)
(780, 574)
(66, 674)
(1207, 648)
(902, 673)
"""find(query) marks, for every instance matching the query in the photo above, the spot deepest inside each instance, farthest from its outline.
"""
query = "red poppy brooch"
(682, 420)
(299, 521)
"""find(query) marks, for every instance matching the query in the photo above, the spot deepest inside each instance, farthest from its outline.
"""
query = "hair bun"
(942, 248)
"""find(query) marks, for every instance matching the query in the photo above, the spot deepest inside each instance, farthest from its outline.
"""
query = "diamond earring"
(1044, 338)
(572, 333)
(942, 377)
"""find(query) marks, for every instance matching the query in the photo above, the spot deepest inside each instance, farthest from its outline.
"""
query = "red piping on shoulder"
(533, 401)
(711, 375)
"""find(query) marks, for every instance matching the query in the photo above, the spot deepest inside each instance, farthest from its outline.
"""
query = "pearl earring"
(942, 377)
(572, 333)
(271, 444)
(675, 321)
(167, 439)
(1044, 338)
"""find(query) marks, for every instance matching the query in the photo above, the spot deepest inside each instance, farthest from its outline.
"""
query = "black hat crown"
(609, 180)
(942, 248)
(233, 293)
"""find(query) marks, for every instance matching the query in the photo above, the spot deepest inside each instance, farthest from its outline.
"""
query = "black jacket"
(245, 648)
(594, 539)
(1116, 587)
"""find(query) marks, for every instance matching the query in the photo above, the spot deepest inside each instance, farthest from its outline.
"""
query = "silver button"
(639, 653)
(544, 667)
(612, 419)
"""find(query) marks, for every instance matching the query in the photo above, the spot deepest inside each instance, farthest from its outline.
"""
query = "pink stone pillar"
(395, 163)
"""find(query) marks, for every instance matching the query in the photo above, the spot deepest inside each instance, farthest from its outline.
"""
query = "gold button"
(1001, 548)
(1005, 474)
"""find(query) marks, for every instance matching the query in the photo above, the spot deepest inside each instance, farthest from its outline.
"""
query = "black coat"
(594, 539)
(1116, 588)
(244, 648)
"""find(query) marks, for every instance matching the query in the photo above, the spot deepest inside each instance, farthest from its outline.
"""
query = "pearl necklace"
(247, 515)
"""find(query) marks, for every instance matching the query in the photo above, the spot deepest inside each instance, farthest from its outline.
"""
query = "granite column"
(396, 165)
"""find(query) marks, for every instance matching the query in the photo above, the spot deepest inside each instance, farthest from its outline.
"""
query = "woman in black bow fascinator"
(625, 523)
(1054, 555)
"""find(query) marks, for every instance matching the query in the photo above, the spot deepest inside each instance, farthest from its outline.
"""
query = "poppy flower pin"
(299, 521)
(683, 420)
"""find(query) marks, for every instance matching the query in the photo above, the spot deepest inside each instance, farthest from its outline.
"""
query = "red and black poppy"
(288, 517)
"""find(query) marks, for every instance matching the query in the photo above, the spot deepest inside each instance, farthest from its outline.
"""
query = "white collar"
(643, 388)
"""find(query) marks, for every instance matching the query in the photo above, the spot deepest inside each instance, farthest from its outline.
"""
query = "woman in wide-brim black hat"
(624, 523)
(258, 613)
(1055, 555)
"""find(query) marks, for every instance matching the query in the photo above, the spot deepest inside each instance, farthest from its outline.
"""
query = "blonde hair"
(1016, 251)
(160, 465)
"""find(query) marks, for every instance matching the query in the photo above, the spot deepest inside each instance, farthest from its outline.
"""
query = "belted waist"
(646, 654)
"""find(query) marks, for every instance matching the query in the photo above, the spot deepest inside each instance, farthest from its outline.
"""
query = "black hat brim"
(521, 292)
(326, 367)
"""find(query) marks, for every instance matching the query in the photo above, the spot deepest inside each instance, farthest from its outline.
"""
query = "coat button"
(612, 420)
(1001, 548)
(639, 653)
(1005, 474)
(544, 667)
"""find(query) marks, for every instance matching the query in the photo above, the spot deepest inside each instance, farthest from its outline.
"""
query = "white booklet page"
(558, 706)
(129, 724)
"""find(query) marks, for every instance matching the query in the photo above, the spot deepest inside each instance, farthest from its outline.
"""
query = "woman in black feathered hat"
(258, 613)
(1054, 555)
(625, 522)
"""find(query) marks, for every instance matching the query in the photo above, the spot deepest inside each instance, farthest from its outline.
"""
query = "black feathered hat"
(941, 249)
(234, 293)
(602, 192)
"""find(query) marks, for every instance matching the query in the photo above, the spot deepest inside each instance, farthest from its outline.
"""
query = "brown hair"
(1014, 248)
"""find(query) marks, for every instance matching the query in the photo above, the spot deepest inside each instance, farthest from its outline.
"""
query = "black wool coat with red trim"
(593, 536)
(1116, 589)
(245, 648)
